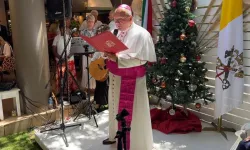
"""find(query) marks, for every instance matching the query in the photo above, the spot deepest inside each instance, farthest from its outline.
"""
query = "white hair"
(94, 11)
(90, 17)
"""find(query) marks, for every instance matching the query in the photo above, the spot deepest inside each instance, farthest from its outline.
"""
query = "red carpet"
(179, 123)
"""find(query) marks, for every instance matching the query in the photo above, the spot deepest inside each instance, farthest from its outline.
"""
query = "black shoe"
(102, 108)
(108, 142)
(98, 110)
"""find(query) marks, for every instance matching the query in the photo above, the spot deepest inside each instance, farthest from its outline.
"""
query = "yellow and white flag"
(229, 84)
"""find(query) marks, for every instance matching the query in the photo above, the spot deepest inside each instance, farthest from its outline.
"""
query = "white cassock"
(141, 49)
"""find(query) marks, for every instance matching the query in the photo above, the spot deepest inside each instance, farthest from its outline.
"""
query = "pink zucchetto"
(126, 8)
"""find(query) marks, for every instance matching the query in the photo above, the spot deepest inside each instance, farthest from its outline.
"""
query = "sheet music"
(77, 44)
(78, 41)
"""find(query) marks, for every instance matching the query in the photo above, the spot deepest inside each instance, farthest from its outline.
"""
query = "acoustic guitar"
(97, 69)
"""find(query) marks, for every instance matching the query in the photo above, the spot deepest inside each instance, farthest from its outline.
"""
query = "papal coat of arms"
(234, 66)
(110, 43)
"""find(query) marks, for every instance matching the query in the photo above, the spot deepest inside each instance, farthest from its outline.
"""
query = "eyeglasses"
(120, 20)
(90, 21)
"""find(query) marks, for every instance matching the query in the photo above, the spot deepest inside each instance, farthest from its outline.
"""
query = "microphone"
(115, 32)
(74, 30)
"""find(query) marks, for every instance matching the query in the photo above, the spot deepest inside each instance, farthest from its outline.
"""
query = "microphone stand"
(90, 105)
(121, 135)
(63, 80)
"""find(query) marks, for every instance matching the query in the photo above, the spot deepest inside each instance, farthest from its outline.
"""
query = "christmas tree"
(179, 75)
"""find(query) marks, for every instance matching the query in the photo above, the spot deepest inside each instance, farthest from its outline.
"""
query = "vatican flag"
(229, 84)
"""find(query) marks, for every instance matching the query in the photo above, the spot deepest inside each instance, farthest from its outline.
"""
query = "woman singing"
(89, 32)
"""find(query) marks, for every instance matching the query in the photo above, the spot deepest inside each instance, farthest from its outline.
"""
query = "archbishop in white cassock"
(141, 50)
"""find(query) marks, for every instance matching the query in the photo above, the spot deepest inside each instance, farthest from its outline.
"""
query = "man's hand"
(111, 56)
(91, 55)
(247, 139)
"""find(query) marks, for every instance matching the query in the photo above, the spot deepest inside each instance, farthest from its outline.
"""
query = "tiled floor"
(88, 137)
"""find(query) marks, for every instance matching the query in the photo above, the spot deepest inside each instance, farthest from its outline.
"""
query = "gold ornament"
(187, 9)
(183, 36)
(183, 58)
(153, 99)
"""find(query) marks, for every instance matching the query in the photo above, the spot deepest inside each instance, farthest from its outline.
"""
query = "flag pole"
(219, 128)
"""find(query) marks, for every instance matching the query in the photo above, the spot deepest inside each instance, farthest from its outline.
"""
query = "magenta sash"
(127, 90)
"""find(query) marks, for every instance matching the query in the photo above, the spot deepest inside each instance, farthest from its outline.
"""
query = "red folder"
(105, 42)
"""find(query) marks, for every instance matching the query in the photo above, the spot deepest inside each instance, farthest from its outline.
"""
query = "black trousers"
(101, 92)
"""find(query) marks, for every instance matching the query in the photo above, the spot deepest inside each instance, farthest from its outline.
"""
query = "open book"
(105, 42)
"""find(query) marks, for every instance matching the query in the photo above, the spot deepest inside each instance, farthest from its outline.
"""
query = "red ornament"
(174, 3)
(150, 64)
(163, 84)
(191, 23)
(163, 60)
(198, 58)
(198, 106)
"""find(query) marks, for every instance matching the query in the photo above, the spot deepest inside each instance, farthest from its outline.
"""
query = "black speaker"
(77, 96)
(55, 9)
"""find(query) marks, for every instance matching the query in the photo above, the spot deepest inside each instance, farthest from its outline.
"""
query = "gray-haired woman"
(89, 32)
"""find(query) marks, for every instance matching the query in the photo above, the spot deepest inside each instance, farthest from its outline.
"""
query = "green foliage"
(178, 75)
(75, 24)
(19, 141)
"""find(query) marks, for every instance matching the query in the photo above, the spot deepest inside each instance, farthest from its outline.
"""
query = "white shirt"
(6, 50)
(112, 25)
(97, 55)
(59, 32)
(59, 43)
(84, 25)
(140, 47)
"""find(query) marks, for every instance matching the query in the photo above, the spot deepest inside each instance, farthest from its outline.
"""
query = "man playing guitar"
(99, 72)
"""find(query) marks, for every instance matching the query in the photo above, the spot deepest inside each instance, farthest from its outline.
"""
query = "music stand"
(90, 106)
(63, 81)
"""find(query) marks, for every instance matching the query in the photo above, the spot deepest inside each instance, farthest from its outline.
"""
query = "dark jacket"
(3, 32)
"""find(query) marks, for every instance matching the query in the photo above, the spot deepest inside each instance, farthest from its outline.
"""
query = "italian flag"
(147, 13)
(229, 85)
